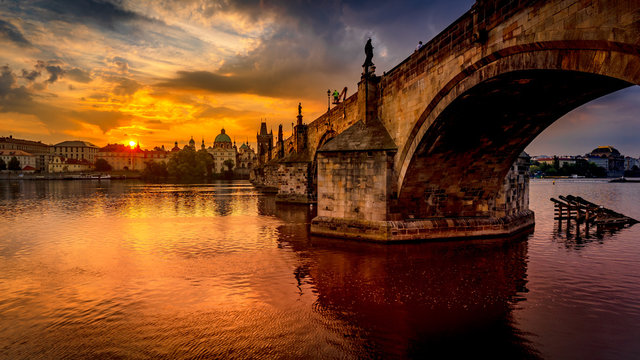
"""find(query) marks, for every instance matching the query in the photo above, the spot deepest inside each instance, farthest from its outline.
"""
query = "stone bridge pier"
(433, 148)
(358, 197)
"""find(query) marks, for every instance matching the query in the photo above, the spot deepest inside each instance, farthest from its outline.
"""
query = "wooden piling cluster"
(580, 211)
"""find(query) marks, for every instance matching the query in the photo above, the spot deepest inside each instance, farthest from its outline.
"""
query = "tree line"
(581, 167)
(186, 165)
(14, 164)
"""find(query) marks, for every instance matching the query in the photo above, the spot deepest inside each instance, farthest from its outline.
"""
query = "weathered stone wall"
(339, 118)
(513, 198)
(354, 185)
(359, 184)
(291, 181)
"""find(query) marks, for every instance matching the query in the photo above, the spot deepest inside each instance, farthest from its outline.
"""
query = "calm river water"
(128, 270)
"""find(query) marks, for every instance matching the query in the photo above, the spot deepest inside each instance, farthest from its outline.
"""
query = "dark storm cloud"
(56, 69)
(30, 75)
(11, 94)
(113, 17)
(104, 13)
(11, 33)
(55, 72)
(52, 67)
(14, 98)
(315, 45)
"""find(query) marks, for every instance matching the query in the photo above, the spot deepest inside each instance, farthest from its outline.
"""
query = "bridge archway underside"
(460, 163)
(608, 59)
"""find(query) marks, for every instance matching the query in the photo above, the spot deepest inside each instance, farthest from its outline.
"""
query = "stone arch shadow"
(458, 153)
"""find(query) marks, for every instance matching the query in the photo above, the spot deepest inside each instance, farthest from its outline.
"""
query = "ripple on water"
(219, 271)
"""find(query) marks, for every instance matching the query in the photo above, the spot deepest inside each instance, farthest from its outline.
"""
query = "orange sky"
(156, 72)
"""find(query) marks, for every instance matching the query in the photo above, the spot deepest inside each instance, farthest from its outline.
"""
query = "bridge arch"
(460, 149)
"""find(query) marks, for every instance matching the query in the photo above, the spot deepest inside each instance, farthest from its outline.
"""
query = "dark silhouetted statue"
(368, 51)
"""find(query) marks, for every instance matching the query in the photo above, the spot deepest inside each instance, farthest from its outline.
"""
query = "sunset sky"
(166, 70)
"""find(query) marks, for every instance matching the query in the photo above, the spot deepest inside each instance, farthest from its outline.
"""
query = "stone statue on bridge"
(368, 50)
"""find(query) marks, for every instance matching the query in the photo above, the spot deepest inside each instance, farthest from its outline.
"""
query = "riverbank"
(70, 176)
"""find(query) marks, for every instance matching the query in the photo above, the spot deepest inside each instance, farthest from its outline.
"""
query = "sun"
(132, 144)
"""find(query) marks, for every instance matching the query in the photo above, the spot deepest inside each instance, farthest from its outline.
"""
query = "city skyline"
(112, 72)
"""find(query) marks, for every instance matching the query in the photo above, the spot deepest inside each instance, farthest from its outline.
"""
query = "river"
(121, 269)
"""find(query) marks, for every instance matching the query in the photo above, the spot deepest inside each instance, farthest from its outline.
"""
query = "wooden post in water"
(577, 222)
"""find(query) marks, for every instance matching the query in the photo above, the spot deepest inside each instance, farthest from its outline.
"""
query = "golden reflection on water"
(124, 269)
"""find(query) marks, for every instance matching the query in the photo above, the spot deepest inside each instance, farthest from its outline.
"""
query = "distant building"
(192, 144)
(609, 158)
(223, 149)
(76, 150)
(562, 160)
(122, 157)
(36, 148)
(62, 164)
(630, 162)
(245, 160)
(26, 159)
(265, 144)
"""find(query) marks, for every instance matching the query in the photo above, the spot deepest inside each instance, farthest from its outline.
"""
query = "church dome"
(192, 142)
(605, 151)
(223, 138)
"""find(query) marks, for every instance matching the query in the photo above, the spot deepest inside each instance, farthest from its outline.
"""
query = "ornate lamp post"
(328, 100)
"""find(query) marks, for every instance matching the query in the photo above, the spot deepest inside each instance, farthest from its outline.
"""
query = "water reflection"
(219, 271)
(416, 300)
(578, 237)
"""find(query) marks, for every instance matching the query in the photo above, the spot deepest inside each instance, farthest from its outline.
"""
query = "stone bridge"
(431, 148)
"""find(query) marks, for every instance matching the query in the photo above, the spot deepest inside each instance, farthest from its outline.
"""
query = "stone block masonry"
(355, 200)
(290, 181)
(354, 185)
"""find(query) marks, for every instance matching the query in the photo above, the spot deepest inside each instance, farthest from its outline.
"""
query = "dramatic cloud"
(105, 120)
(30, 75)
(12, 96)
(103, 13)
(121, 64)
(78, 75)
(55, 72)
(106, 70)
(125, 86)
(11, 33)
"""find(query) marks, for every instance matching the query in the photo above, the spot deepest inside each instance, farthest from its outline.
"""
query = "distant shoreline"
(94, 176)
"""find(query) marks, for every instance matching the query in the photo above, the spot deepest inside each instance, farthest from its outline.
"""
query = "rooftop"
(605, 150)
(14, 153)
(76, 143)
(361, 137)
(222, 137)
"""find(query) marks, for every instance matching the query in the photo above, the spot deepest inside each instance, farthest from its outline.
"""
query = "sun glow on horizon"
(132, 144)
